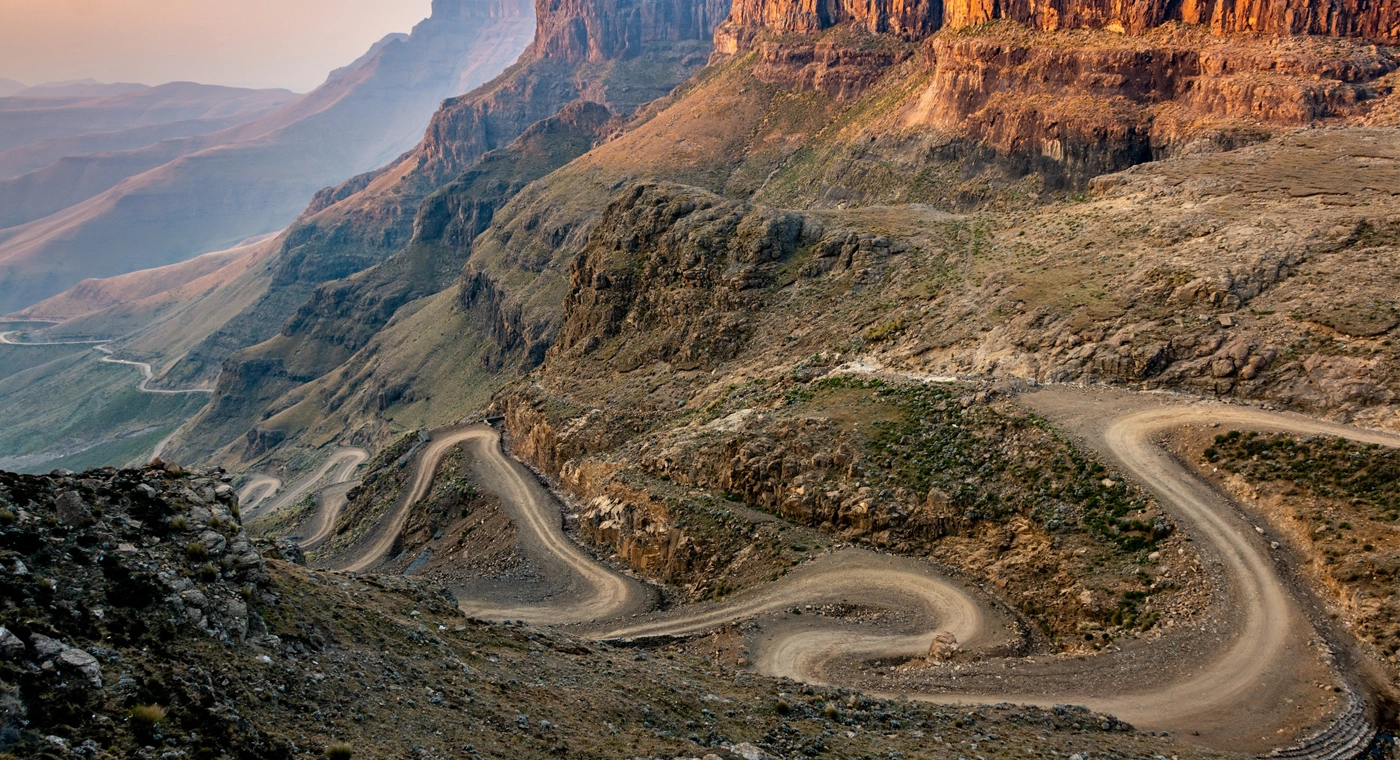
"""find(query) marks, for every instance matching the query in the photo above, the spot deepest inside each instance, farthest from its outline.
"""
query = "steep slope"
(94, 295)
(371, 218)
(212, 191)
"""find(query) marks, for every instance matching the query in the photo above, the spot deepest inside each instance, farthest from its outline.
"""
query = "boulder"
(71, 509)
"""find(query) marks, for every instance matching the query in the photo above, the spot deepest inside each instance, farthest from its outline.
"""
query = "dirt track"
(588, 591)
(343, 461)
(1233, 685)
(258, 489)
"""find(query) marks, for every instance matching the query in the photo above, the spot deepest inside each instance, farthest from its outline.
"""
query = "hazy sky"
(247, 43)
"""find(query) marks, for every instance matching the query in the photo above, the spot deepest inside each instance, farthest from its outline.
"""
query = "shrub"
(197, 552)
(340, 751)
(147, 717)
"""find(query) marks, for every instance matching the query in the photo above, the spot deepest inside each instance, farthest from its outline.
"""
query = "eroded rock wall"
(914, 19)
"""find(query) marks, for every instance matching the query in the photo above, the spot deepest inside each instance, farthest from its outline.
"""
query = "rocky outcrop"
(1376, 21)
(130, 558)
(669, 273)
(574, 31)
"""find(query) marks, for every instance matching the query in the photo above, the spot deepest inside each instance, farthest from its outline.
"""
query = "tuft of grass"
(197, 552)
(147, 717)
(340, 751)
(783, 708)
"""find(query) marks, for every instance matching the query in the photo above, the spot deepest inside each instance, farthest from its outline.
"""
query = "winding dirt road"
(1219, 696)
(5, 339)
(257, 489)
(147, 375)
(340, 466)
(592, 591)
(1226, 686)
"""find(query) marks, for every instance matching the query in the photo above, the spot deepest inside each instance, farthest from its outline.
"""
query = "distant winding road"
(339, 466)
(147, 373)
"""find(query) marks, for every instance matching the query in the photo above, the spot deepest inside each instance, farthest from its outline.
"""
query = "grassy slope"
(54, 409)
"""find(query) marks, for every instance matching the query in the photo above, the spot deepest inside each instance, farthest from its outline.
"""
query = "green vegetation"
(990, 464)
(55, 413)
(1367, 475)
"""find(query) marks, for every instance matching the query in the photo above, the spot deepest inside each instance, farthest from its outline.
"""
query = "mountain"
(25, 118)
(9, 87)
(79, 89)
(177, 198)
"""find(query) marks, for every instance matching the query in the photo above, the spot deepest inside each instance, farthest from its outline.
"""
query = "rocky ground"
(140, 622)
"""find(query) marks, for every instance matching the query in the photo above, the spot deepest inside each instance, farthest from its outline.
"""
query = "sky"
(291, 44)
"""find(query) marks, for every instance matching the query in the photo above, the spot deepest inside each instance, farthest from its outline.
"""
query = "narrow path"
(5, 339)
(319, 528)
(257, 489)
(147, 373)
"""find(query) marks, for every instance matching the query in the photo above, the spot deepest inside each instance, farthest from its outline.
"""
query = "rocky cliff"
(1375, 21)
(574, 31)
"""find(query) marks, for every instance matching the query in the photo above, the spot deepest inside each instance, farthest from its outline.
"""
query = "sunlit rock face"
(1379, 21)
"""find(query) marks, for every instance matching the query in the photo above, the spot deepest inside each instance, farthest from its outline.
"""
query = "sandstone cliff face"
(913, 19)
(1007, 101)
(1093, 109)
(573, 31)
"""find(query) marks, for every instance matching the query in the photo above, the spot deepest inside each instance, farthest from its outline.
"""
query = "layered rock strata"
(915, 19)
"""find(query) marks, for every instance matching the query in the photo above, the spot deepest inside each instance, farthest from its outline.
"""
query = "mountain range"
(157, 189)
